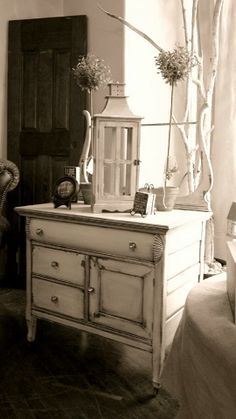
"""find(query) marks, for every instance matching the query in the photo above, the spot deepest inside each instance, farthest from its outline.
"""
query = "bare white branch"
(201, 88)
(182, 131)
(194, 23)
(185, 24)
(203, 117)
(215, 46)
(133, 28)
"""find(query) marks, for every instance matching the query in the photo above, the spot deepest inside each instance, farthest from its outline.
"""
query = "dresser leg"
(156, 388)
(156, 372)
(31, 325)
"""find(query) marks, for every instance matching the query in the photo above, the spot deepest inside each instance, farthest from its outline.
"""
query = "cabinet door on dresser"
(58, 281)
(122, 296)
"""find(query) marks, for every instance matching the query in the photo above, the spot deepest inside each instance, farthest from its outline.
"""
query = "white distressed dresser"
(119, 276)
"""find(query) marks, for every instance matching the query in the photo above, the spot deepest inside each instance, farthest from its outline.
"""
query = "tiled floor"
(66, 374)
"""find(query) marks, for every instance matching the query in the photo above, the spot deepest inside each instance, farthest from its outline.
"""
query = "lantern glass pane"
(110, 134)
(117, 161)
(126, 143)
(125, 179)
(109, 179)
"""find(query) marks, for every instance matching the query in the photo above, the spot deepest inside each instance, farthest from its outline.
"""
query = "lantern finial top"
(116, 103)
(116, 89)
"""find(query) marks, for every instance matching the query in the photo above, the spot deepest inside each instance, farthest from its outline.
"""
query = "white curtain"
(224, 135)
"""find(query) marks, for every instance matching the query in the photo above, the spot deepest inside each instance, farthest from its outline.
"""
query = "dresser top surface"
(80, 213)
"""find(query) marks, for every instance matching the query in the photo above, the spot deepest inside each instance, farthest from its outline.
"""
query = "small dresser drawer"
(90, 238)
(59, 264)
(57, 298)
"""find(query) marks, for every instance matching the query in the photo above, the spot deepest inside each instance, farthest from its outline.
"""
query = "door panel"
(123, 296)
(45, 104)
(45, 119)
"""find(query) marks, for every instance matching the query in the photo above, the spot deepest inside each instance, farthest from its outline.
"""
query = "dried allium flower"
(175, 65)
(91, 72)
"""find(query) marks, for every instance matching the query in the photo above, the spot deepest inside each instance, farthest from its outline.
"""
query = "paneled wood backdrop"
(45, 121)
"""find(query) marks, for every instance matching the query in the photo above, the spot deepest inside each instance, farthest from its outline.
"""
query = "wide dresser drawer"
(92, 238)
(57, 298)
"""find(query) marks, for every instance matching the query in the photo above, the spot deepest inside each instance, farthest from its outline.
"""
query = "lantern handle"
(84, 158)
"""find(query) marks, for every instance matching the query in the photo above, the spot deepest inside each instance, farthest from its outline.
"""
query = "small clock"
(65, 191)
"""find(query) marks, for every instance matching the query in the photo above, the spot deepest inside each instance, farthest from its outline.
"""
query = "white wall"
(105, 37)
(14, 10)
(149, 95)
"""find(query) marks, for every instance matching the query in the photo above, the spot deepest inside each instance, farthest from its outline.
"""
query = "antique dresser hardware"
(54, 299)
(54, 264)
(132, 245)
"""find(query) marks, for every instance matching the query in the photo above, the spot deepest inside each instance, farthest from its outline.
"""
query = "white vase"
(166, 197)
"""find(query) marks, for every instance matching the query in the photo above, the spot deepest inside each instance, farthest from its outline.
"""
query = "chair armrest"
(9, 179)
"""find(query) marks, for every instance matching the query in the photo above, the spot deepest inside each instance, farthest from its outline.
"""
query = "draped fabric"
(200, 368)
(224, 135)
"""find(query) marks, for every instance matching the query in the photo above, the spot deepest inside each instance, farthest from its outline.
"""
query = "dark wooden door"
(45, 121)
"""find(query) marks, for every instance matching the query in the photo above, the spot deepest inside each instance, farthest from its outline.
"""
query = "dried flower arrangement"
(90, 73)
(174, 66)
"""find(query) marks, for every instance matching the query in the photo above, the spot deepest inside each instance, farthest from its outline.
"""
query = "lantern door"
(116, 164)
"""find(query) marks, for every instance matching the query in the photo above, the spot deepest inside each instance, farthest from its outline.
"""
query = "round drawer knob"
(54, 264)
(39, 232)
(132, 245)
(54, 299)
(90, 290)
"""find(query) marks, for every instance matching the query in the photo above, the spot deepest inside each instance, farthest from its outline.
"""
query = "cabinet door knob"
(39, 231)
(54, 264)
(90, 290)
(54, 299)
(132, 245)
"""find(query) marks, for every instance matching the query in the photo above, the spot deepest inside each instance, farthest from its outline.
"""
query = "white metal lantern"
(116, 145)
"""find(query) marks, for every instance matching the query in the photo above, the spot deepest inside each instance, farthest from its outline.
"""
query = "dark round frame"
(58, 199)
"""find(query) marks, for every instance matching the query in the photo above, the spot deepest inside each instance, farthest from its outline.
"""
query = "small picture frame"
(143, 203)
(65, 191)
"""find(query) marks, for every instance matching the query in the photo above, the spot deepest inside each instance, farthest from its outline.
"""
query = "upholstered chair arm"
(9, 179)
